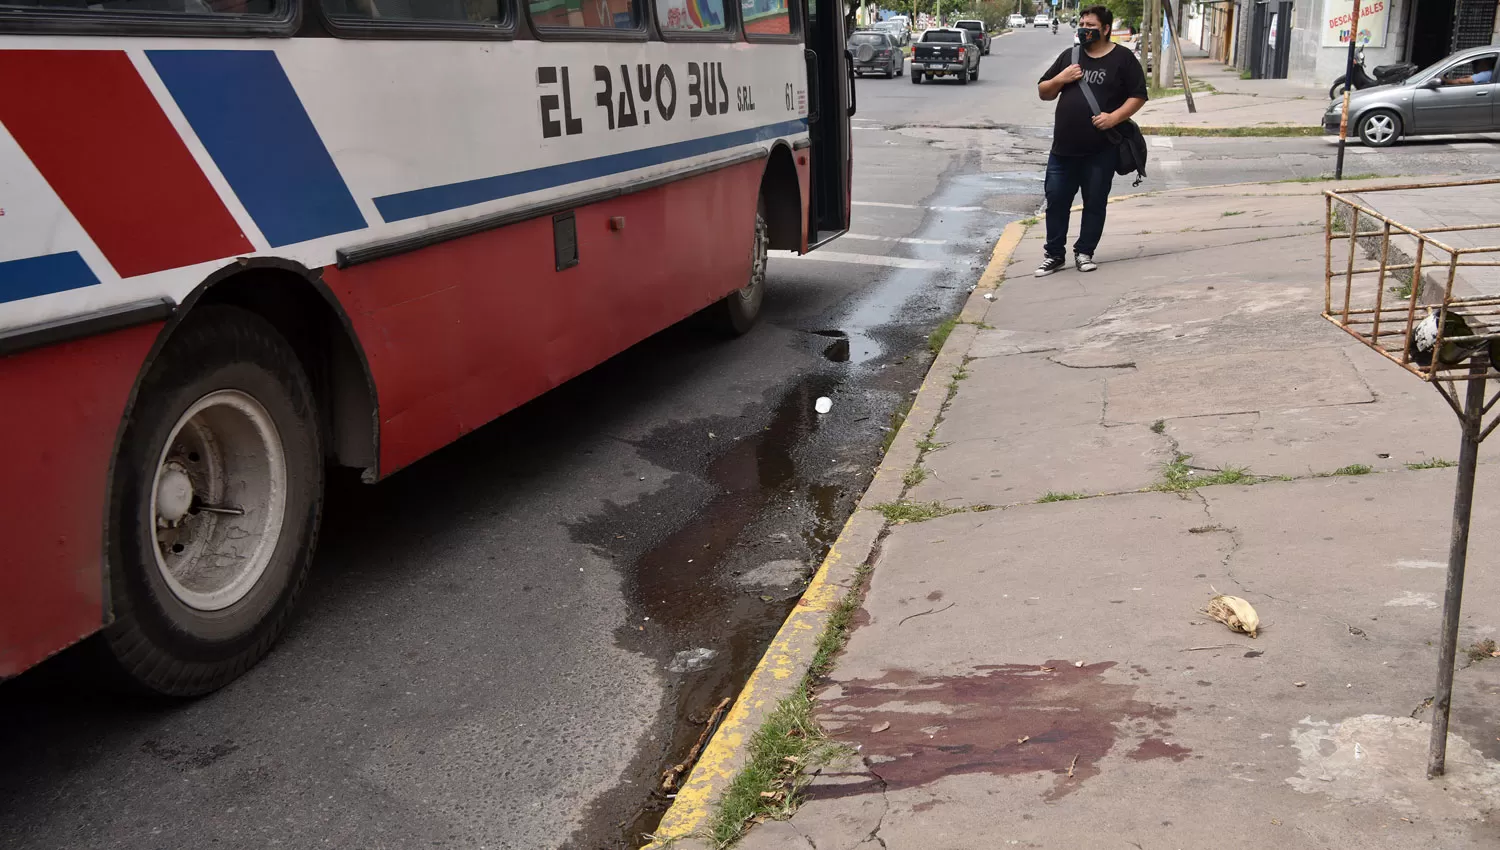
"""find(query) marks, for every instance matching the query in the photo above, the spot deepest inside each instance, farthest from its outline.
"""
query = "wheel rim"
(751, 293)
(1380, 128)
(218, 500)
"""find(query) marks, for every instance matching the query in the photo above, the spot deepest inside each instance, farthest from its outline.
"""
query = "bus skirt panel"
(61, 408)
(460, 332)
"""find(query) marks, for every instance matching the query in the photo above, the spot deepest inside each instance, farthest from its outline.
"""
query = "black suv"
(876, 52)
(976, 34)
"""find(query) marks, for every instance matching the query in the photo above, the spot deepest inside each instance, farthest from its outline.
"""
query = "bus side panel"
(463, 331)
(61, 411)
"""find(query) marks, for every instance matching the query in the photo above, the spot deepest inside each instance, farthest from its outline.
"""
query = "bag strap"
(1083, 81)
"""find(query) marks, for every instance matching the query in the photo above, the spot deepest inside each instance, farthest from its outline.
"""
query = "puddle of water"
(1003, 719)
(684, 583)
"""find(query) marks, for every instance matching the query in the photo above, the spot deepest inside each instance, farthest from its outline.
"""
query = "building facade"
(1308, 39)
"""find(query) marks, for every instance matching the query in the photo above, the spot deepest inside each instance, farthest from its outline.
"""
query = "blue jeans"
(1066, 175)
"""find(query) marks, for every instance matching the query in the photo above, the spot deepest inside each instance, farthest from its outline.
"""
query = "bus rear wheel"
(217, 494)
(737, 312)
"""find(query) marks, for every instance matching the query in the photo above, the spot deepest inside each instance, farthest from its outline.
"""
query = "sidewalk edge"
(790, 654)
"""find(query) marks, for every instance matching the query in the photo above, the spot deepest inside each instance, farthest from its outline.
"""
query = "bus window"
(458, 11)
(152, 7)
(583, 14)
(766, 17)
(690, 15)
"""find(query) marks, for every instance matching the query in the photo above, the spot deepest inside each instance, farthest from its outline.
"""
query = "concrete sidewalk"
(1033, 669)
(1236, 103)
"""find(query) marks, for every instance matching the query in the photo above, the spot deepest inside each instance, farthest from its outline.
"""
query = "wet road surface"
(507, 643)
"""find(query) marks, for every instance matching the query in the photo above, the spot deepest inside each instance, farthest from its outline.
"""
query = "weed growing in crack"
(1353, 469)
(898, 418)
(1228, 213)
(902, 511)
(927, 444)
(772, 780)
(1159, 426)
(1178, 477)
(914, 476)
(1060, 497)
(771, 784)
(940, 334)
(1028, 222)
(1431, 463)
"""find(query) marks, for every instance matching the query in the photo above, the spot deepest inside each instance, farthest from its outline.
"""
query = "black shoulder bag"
(1126, 136)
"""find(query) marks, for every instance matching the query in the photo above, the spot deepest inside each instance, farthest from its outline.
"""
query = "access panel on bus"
(830, 78)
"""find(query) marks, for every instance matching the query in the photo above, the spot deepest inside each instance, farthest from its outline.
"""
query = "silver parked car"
(1459, 94)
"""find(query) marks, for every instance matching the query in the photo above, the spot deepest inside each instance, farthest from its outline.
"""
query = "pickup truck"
(947, 52)
(976, 33)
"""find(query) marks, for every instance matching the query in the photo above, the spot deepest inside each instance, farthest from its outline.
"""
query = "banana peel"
(1234, 612)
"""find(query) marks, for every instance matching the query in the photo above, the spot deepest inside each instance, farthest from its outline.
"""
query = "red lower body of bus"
(454, 335)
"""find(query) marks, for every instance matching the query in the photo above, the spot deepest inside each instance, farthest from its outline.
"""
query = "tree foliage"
(1127, 12)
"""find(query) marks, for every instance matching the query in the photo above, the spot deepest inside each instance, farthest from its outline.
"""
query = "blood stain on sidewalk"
(1006, 719)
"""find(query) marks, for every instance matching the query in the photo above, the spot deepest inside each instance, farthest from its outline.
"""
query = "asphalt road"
(495, 650)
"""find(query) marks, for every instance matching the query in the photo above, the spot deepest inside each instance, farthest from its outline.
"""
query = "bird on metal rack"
(1425, 334)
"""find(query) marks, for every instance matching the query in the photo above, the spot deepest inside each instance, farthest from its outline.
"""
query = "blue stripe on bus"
(436, 199)
(44, 275)
(248, 116)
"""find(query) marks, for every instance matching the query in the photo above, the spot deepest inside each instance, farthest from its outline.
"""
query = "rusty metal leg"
(1458, 553)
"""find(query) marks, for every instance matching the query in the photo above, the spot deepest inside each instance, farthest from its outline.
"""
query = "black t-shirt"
(1115, 77)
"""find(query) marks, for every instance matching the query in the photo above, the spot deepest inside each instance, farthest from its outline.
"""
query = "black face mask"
(1089, 35)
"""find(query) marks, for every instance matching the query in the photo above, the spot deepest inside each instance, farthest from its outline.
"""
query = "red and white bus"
(241, 240)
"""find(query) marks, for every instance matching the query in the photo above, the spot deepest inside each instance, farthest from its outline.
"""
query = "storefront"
(1418, 31)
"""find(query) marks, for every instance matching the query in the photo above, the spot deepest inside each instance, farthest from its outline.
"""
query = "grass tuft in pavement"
(770, 784)
(1264, 130)
(914, 476)
(1431, 463)
(1060, 497)
(902, 511)
(1159, 426)
(898, 418)
(1325, 178)
(1178, 477)
(1353, 469)
(940, 334)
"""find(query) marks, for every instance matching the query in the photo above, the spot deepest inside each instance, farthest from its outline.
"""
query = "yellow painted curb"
(788, 657)
(791, 652)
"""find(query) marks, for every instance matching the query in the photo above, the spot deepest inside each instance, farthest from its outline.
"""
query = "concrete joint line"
(789, 656)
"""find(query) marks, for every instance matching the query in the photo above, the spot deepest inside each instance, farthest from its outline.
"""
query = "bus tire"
(224, 422)
(736, 313)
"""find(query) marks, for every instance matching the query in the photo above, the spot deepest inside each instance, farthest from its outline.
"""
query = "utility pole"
(1159, 55)
(1148, 44)
(1338, 174)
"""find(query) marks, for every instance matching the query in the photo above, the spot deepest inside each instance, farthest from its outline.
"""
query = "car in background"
(896, 30)
(1015, 21)
(1434, 101)
(945, 52)
(876, 52)
(976, 34)
(1041, 20)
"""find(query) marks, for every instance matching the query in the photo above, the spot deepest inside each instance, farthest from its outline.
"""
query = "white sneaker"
(1050, 265)
(1085, 262)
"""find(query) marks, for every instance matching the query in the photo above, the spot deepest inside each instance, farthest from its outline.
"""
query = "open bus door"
(830, 81)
